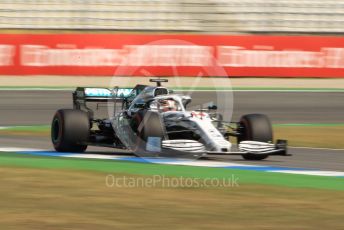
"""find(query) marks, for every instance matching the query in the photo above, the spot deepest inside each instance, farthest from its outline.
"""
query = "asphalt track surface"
(38, 107)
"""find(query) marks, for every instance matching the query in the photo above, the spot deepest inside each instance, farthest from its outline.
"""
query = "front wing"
(258, 148)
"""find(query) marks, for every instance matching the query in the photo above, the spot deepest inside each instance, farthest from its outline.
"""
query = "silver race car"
(152, 121)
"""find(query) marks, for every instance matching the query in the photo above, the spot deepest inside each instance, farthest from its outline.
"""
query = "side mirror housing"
(212, 107)
(186, 100)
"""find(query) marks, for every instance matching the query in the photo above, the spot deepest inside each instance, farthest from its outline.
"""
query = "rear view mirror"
(212, 107)
(186, 100)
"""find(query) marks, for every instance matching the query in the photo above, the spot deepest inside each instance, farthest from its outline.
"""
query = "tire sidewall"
(252, 131)
(59, 120)
(73, 129)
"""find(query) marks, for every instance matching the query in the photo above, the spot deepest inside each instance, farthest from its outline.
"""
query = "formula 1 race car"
(153, 121)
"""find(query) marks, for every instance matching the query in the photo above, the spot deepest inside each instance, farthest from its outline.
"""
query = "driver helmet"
(166, 105)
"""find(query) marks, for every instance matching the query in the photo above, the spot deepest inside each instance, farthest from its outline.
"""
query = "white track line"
(315, 148)
(311, 172)
(168, 161)
(204, 163)
(93, 156)
(18, 149)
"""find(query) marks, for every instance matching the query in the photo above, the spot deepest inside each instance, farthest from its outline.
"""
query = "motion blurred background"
(304, 36)
(298, 44)
(206, 16)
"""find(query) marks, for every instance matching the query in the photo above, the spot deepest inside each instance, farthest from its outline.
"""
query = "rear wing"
(102, 94)
(82, 95)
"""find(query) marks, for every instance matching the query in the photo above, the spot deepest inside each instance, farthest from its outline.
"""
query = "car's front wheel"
(70, 130)
(255, 127)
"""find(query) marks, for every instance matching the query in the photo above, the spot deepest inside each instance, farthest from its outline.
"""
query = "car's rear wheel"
(255, 127)
(70, 130)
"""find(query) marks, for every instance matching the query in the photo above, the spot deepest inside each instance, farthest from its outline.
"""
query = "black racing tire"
(70, 129)
(255, 127)
(152, 126)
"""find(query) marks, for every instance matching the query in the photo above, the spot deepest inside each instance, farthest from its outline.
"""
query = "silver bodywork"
(142, 118)
(203, 125)
(199, 122)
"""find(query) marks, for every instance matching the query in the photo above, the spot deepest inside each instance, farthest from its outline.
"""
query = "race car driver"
(167, 105)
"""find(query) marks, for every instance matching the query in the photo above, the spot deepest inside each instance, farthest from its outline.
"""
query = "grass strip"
(73, 199)
(244, 176)
(311, 135)
(37, 130)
